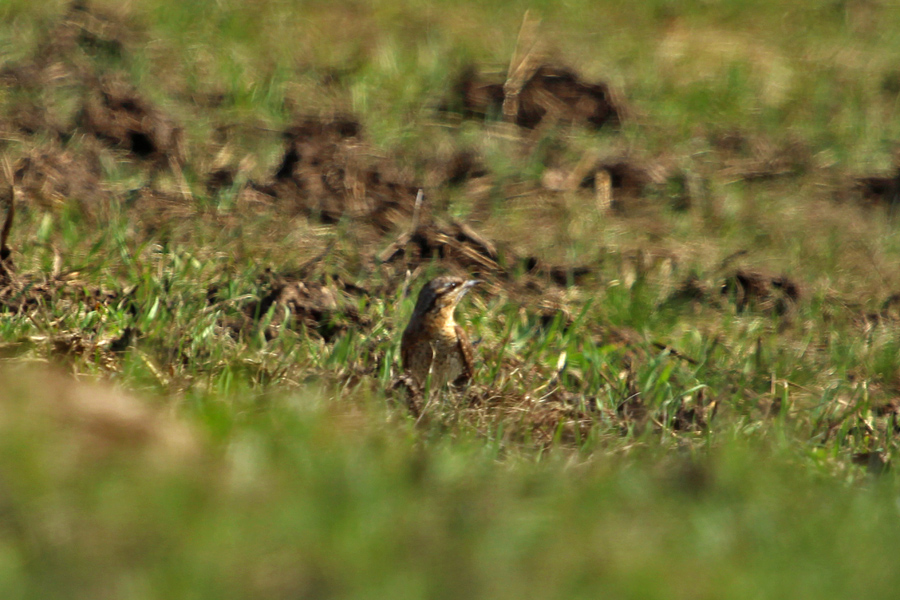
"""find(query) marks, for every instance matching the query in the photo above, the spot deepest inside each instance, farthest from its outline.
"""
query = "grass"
(686, 449)
(310, 498)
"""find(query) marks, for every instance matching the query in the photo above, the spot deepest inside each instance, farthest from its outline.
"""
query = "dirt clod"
(324, 308)
(563, 276)
(750, 158)
(51, 176)
(551, 93)
(328, 173)
(880, 190)
(463, 166)
(455, 244)
(760, 291)
(115, 113)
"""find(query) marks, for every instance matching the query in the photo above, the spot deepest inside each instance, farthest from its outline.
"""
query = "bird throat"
(444, 321)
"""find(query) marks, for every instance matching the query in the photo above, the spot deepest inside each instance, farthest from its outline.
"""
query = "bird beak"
(465, 287)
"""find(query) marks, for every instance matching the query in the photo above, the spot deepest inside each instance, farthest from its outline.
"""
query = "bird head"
(442, 294)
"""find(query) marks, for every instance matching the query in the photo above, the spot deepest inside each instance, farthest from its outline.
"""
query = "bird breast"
(433, 348)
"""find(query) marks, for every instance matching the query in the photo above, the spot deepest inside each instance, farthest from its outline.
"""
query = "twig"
(675, 353)
(392, 251)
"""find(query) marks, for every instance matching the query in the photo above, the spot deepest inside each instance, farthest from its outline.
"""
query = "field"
(688, 335)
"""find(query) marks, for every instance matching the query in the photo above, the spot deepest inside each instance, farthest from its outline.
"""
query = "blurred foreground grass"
(311, 499)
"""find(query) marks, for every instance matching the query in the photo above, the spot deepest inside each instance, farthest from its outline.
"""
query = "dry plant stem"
(521, 65)
(417, 211)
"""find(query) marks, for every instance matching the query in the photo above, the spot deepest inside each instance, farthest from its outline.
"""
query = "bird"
(433, 344)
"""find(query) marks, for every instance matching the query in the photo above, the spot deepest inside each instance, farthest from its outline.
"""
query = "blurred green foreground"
(100, 497)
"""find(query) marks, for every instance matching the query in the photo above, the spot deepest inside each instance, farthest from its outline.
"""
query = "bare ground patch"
(550, 93)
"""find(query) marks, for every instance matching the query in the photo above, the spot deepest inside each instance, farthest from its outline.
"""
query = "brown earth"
(328, 173)
(50, 176)
(761, 291)
(115, 113)
(879, 190)
(326, 307)
(551, 93)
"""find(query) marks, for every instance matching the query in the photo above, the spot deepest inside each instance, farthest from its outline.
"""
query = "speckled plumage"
(433, 343)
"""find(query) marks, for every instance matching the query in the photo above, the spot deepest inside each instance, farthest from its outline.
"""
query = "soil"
(552, 93)
(758, 290)
(50, 176)
(327, 173)
(323, 305)
(880, 190)
(115, 113)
